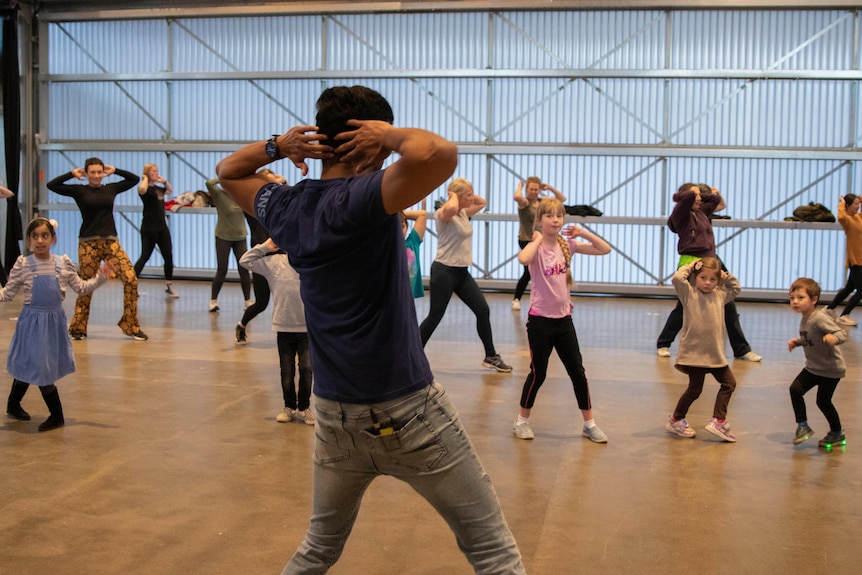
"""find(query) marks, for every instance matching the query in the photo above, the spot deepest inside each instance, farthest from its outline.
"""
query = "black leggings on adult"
(853, 283)
(149, 240)
(223, 249)
(261, 298)
(524, 280)
(446, 280)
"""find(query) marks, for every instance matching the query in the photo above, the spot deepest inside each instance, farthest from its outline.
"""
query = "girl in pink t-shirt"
(549, 324)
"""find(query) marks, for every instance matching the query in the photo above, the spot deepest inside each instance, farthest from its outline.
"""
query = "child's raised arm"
(594, 246)
(528, 254)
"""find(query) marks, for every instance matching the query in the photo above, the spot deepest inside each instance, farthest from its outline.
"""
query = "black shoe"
(138, 336)
(55, 406)
(17, 413)
(239, 335)
(496, 362)
(78, 335)
(53, 422)
(832, 439)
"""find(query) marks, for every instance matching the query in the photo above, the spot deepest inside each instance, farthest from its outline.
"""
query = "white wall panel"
(108, 46)
(254, 43)
(779, 39)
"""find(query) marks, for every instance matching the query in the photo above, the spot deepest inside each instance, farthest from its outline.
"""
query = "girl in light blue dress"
(40, 352)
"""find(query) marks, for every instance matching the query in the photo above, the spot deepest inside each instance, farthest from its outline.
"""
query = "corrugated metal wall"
(614, 108)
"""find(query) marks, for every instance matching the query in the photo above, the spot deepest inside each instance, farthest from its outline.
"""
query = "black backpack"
(813, 212)
(581, 210)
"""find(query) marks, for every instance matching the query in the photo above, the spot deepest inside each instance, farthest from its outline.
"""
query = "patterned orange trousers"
(91, 254)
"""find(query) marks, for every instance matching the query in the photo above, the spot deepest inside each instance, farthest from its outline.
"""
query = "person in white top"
(450, 272)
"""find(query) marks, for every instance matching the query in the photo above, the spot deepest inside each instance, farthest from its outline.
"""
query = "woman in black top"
(98, 242)
(154, 226)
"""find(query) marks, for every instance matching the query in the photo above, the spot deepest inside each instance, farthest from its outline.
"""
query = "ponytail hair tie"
(698, 265)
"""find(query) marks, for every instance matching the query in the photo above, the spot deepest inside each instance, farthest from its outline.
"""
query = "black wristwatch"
(272, 148)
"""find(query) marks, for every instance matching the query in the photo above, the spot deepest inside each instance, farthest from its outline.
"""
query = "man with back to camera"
(379, 410)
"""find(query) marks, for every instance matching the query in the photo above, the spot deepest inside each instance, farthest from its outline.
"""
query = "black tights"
(446, 280)
(223, 249)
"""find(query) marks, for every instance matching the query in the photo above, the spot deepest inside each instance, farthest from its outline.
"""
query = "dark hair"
(685, 187)
(849, 199)
(93, 162)
(338, 104)
(705, 189)
(38, 222)
(808, 285)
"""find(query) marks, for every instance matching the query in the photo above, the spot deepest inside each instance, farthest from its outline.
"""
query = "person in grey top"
(230, 234)
(288, 320)
(824, 365)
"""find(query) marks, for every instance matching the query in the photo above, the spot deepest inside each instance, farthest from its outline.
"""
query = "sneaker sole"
(677, 433)
(831, 445)
(798, 440)
(590, 437)
(718, 434)
(501, 370)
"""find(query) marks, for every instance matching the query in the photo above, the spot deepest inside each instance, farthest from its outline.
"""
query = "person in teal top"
(413, 239)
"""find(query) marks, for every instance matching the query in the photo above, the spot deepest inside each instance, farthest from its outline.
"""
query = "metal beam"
(562, 73)
(57, 10)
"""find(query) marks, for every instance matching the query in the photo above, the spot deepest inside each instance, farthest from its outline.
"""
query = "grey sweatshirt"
(821, 359)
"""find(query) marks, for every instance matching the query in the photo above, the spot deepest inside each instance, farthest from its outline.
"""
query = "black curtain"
(12, 136)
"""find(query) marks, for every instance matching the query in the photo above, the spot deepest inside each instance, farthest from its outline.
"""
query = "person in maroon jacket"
(98, 242)
(691, 220)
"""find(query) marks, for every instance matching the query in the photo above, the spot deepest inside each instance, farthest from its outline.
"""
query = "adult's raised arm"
(427, 160)
(237, 173)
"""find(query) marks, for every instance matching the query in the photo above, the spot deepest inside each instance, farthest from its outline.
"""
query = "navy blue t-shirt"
(363, 334)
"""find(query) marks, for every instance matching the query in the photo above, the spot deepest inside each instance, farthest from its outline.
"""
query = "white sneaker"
(663, 352)
(721, 430)
(285, 415)
(308, 416)
(846, 321)
(681, 427)
(830, 312)
(516, 305)
(595, 434)
(523, 430)
(750, 356)
(169, 289)
(213, 305)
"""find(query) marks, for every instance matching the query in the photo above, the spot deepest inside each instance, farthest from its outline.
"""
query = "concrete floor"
(171, 461)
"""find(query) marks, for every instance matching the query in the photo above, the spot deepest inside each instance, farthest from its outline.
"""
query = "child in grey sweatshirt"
(824, 366)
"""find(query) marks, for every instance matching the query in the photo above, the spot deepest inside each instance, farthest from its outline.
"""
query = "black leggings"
(446, 280)
(825, 389)
(223, 249)
(261, 298)
(854, 282)
(546, 334)
(149, 240)
(525, 277)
